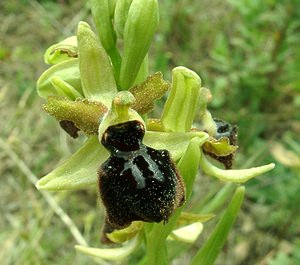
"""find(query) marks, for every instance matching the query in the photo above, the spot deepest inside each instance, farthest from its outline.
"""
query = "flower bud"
(180, 109)
(139, 30)
(120, 16)
(62, 51)
(101, 10)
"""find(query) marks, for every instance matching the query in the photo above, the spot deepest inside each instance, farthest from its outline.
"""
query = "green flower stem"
(143, 72)
(156, 237)
(212, 247)
(116, 61)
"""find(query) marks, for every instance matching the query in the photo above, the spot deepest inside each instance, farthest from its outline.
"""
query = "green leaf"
(212, 247)
(68, 71)
(233, 175)
(79, 171)
(180, 109)
(98, 81)
(154, 87)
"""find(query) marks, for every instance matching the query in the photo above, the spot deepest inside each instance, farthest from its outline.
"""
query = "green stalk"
(156, 237)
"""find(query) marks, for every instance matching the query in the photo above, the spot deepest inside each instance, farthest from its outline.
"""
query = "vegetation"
(246, 52)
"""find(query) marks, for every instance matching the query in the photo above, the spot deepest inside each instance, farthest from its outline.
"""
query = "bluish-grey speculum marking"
(137, 182)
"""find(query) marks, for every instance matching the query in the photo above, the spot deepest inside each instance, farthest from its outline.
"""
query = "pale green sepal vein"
(212, 247)
(79, 171)
(233, 175)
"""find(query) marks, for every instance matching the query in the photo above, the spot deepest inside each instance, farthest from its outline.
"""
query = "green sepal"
(219, 147)
(68, 71)
(84, 113)
(96, 71)
(140, 26)
(115, 254)
(232, 175)
(62, 51)
(180, 108)
(123, 235)
(77, 172)
(212, 247)
(120, 16)
(176, 142)
(154, 87)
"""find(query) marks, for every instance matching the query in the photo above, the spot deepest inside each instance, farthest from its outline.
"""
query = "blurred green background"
(248, 54)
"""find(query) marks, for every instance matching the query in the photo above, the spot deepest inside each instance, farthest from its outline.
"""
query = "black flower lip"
(137, 182)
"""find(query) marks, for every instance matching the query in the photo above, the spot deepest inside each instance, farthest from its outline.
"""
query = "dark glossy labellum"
(137, 182)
